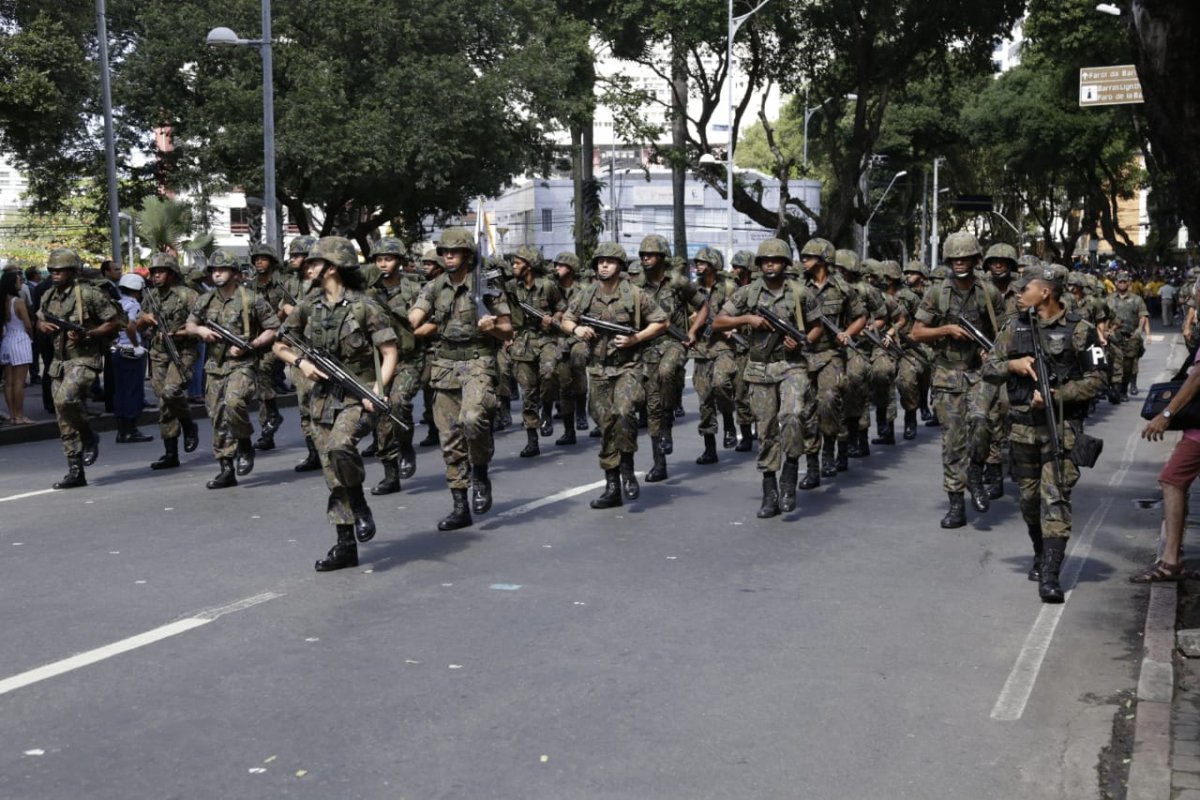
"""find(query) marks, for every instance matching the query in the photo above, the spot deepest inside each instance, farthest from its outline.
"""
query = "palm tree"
(164, 225)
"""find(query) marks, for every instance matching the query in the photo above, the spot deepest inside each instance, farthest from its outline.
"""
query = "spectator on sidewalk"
(129, 365)
(16, 348)
(1166, 294)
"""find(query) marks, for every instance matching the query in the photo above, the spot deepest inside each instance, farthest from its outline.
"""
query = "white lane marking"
(533, 505)
(27, 494)
(90, 657)
(1010, 705)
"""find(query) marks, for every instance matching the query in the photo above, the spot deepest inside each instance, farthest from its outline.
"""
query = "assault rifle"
(167, 340)
(1044, 387)
(614, 328)
(980, 338)
(538, 314)
(344, 383)
(895, 350)
(833, 327)
(228, 335)
(707, 331)
(783, 326)
(64, 325)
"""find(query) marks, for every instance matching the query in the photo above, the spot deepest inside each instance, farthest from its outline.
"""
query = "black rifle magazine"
(1087, 450)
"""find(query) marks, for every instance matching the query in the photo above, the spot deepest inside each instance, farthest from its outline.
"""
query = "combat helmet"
(917, 267)
(569, 259)
(222, 259)
(166, 261)
(773, 248)
(743, 258)
(847, 260)
(610, 250)
(821, 248)
(531, 256)
(262, 249)
(961, 244)
(301, 245)
(711, 256)
(456, 239)
(870, 267)
(1001, 251)
(337, 250)
(655, 243)
(890, 271)
(389, 246)
(63, 258)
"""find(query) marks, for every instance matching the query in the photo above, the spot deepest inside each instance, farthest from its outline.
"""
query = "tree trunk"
(580, 227)
(679, 132)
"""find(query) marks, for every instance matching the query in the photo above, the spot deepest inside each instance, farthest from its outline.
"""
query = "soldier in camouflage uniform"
(432, 267)
(665, 360)
(614, 365)
(280, 292)
(1128, 331)
(506, 381)
(463, 373)
(534, 347)
(729, 367)
(856, 393)
(957, 361)
(884, 364)
(173, 301)
(78, 358)
(230, 372)
(1076, 369)
(989, 440)
(716, 286)
(356, 331)
(297, 253)
(776, 370)
(397, 292)
(572, 361)
(913, 373)
(827, 361)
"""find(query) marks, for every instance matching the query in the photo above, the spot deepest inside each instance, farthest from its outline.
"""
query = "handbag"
(1159, 395)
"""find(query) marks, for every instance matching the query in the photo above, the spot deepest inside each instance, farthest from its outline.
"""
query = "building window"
(547, 220)
(239, 220)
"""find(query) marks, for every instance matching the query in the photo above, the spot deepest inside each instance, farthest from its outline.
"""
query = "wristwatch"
(1166, 413)
(296, 363)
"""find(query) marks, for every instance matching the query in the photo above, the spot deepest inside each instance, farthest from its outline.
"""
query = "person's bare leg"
(17, 405)
(1174, 518)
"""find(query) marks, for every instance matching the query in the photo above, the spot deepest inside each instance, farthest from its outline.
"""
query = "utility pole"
(110, 152)
(924, 214)
(933, 237)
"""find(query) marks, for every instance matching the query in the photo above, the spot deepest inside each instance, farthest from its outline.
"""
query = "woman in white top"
(16, 349)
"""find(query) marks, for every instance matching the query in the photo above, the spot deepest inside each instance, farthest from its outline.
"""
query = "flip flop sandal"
(1161, 572)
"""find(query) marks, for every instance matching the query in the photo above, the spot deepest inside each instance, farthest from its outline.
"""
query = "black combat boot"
(74, 477)
(1035, 536)
(993, 481)
(372, 449)
(933, 422)
(1124, 391)
(658, 472)
(852, 445)
(364, 521)
(665, 443)
(91, 448)
(408, 460)
(612, 491)
(812, 473)
(787, 484)
(770, 501)
(979, 494)
(910, 425)
(343, 554)
(864, 446)
(629, 482)
(265, 441)
(432, 439)
(460, 515)
(226, 477)
(1114, 395)
(581, 422)
(828, 460)
(1133, 388)
(127, 432)
(245, 457)
(568, 436)
(312, 461)
(170, 458)
(391, 478)
(504, 415)
(531, 448)
(843, 455)
(679, 410)
(885, 427)
(730, 440)
(926, 414)
(595, 433)
(547, 428)
(1053, 552)
(746, 443)
(643, 420)
(191, 434)
(481, 488)
(274, 419)
(956, 517)
(709, 456)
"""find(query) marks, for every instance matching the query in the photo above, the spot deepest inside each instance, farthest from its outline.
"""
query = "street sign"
(1109, 86)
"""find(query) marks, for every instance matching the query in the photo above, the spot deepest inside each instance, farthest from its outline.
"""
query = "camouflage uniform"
(75, 364)
(1125, 341)
(709, 345)
(884, 365)
(665, 358)
(170, 384)
(857, 390)
(571, 369)
(1072, 346)
(730, 362)
(534, 351)
(277, 289)
(912, 374)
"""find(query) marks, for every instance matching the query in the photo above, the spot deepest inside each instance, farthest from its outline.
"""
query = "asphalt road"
(676, 648)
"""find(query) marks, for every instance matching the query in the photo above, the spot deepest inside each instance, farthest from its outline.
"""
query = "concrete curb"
(1150, 768)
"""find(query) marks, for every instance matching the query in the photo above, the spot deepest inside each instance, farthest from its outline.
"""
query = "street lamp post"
(224, 37)
(734, 24)
(867, 225)
(110, 152)
(933, 236)
(809, 114)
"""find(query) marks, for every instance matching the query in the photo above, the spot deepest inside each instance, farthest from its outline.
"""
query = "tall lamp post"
(110, 152)
(809, 114)
(867, 226)
(734, 24)
(224, 37)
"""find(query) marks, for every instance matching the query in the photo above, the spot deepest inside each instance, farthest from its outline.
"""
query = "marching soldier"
(856, 393)
(1076, 369)
(729, 367)
(957, 361)
(306, 289)
(166, 310)
(884, 364)
(717, 288)
(398, 293)
(776, 371)
(1128, 330)
(988, 441)
(614, 366)
(357, 332)
(230, 370)
(572, 363)
(431, 267)
(463, 373)
(78, 357)
(280, 294)
(534, 347)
